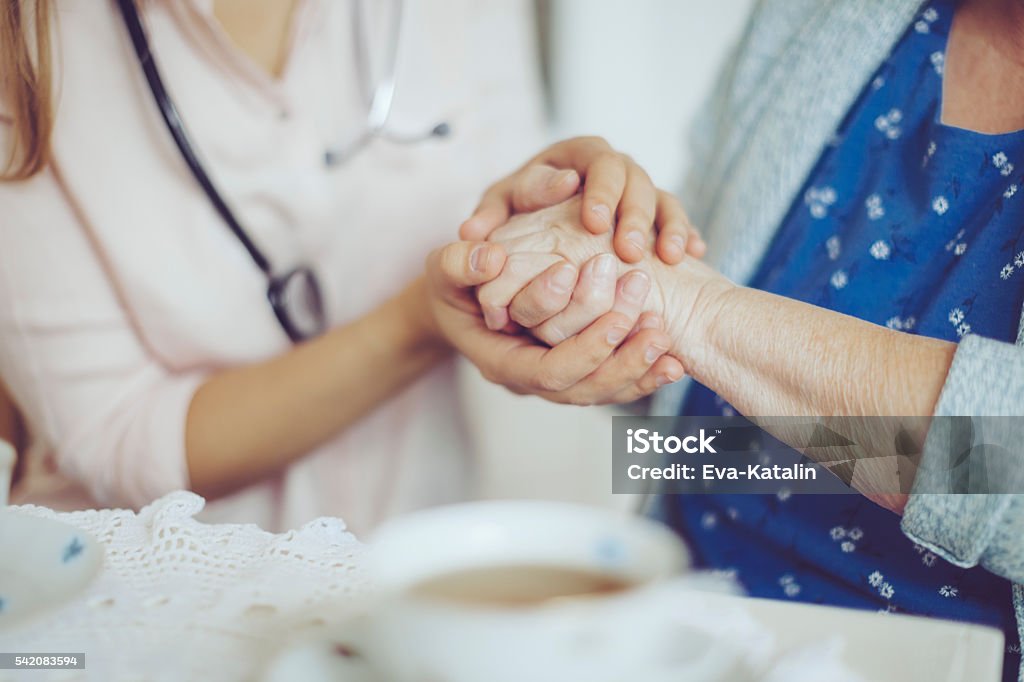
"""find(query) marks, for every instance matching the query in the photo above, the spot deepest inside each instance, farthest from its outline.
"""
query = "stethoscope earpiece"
(382, 97)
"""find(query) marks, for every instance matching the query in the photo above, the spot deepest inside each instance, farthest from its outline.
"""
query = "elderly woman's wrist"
(693, 298)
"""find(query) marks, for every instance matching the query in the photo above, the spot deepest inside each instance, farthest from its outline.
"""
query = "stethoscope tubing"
(174, 123)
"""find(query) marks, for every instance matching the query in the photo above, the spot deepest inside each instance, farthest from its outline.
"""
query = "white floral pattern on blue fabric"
(880, 250)
(790, 587)
(818, 200)
(889, 124)
(876, 210)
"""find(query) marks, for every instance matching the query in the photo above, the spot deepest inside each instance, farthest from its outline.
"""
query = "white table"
(889, 646)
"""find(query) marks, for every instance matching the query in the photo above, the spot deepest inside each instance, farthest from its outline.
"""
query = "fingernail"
(653, 352)
(663, 380)
(603, 212)
(636, 237)
(616, 335)
(558, 179)
(651, 322)
(636, 287)
(563, 279)
(479, 257)
(604, 267)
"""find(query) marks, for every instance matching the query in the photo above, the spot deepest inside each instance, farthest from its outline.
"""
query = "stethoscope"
(294, 296)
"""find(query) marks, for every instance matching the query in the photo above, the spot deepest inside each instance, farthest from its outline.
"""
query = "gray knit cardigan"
(781, 95)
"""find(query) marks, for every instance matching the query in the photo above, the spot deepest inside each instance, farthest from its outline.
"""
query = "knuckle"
(592, 141)
(609, 158)
(669, 200)
(550, 381)
(639, 172)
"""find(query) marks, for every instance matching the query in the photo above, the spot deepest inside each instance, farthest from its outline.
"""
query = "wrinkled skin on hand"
(537, 242)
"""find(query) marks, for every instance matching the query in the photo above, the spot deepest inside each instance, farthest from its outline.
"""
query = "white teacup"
(515, 591)
(44, 563)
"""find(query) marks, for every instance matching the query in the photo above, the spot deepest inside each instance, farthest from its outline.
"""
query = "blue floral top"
(918, 226)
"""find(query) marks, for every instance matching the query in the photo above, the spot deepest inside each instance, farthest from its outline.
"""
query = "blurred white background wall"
(634, 72)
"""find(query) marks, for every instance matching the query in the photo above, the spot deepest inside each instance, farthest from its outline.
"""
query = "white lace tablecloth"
(182, 600)
(178, 599)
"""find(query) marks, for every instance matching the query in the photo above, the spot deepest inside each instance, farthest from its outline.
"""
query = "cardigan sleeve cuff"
(967, 503)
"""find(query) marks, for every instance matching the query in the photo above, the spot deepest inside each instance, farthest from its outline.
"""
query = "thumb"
(467, 264)
(541, 185)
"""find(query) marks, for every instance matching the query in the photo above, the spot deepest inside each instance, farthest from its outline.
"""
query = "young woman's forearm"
(770, 355)
(248, 422)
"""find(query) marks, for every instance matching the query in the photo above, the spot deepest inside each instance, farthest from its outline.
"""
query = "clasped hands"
(549, 294)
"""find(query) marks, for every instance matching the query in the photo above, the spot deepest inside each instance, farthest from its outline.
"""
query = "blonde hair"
(26, 77)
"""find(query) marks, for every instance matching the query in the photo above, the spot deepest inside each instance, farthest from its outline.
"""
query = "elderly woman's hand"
(618, 196)
(583, 277)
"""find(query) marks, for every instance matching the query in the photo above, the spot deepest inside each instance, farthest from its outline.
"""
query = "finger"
(695, 244)
(577, 357)
(520, 269)
(625, 368)
(493, 211)
(576, 152)
(674, 229)
(467, 264)
(647, 321)
(593, 296)
(636, 215)
(545, 296)
(631, 292)
(603, 185)
(540, 186)
(666, 370)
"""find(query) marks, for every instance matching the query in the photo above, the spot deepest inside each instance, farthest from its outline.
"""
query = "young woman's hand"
(619, 357)
(617, 194)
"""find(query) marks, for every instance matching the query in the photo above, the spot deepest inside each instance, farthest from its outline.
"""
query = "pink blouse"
(121, 290)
